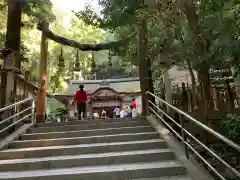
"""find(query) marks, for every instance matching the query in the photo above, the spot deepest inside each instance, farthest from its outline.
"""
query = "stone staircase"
(90, 150)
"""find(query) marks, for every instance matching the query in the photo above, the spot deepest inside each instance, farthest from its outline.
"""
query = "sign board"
(220, 77)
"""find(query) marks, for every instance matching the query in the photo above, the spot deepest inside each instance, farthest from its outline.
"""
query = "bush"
(231, 127)
(56, 113)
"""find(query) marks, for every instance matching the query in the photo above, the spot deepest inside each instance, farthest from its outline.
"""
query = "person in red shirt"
(134, 104)
(81, 100)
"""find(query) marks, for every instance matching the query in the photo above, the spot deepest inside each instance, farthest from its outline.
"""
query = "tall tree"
(121, 18)
(13, 43)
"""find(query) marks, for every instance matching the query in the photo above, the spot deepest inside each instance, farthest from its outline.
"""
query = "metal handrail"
(11, 125)
(206, 128)
(15, 115)
(184, 132)
(16, 104)
(8, 109)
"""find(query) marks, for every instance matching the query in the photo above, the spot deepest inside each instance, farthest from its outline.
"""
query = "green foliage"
(3, 22)
(68, 25)
(33, 12)
(59, 112)
(231, 127)
(122, 18)
(118, 70)
(40, 10)
(218, 22)
(169, 34)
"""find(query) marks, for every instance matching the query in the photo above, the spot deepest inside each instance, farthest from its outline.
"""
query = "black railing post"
(146, 99)
(184, 136)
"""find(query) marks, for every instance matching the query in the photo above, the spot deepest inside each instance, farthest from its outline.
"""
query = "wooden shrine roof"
(124, 85)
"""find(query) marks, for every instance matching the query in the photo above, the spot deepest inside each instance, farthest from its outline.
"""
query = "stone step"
(150, 155)
(35, 152)
(88, 126)
(184, 177)
(85, 140)
(84, 133)
(91, 121)
(120, 172)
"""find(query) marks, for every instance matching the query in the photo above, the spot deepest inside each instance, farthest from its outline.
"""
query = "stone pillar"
(90, 110)
(168, 87)
(69, 109)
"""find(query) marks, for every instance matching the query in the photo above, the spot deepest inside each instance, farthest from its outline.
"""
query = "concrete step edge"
(90, 170)
(86, 126)
(83, 125)
(86, 156)
(86, 121)
(180, 177)
(85, 145)
(89, 130)
(88, 137)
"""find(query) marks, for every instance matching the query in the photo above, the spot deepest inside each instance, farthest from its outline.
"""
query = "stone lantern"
(77, 63)
(93, 61)
(61, 63)
(110, 58)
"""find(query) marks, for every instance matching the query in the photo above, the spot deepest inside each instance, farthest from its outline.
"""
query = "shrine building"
(103, 94)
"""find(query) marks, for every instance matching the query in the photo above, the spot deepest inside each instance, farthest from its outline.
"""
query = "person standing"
(95, 115)
(134, 104)
(104, 114)
(130, 111)
(134, 108)
(134, 112)
(81, 100)
(126, 112)
(117, 112)
(122, 113)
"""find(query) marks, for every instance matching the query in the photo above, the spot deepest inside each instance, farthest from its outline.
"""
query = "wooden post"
(9, 63)
(41, 94)
(25, 88)
(3, 88)
(12, 43)
(7, 95)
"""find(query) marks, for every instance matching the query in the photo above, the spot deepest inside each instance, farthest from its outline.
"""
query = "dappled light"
(87, 87)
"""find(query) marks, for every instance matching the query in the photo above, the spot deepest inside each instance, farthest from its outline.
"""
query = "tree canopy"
(65, 25)
(196, 34)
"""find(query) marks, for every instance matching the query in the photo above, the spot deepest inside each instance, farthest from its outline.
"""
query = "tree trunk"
(145, 73)
(199, 46)
(150, 80)
(195, 98)
(41, 95)
(13, 36)
(204, 78)
(12, 43)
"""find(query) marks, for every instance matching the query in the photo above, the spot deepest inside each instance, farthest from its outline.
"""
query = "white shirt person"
(122, 113)
(117, 111)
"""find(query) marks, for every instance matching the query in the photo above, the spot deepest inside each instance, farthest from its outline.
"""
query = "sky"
(75, 5)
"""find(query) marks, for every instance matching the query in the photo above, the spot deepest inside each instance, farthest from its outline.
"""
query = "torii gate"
(47, 34)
